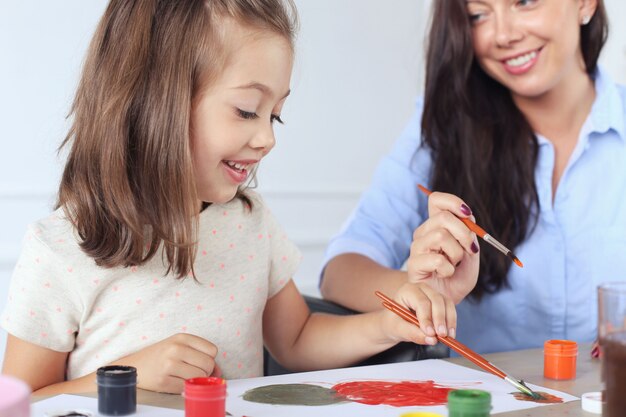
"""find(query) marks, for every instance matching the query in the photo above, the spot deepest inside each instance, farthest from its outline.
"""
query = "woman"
(519, 122)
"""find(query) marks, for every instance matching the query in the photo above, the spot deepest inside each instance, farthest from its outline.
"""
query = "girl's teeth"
(521, 60)
(236, 165)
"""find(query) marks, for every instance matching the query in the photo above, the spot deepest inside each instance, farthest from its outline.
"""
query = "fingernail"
(466, 210)
(430, 340)
(474, 247)
(452, 332)
(441, 330)
(430, 331)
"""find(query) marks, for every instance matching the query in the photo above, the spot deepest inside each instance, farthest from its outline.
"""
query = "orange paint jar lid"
(560, 347)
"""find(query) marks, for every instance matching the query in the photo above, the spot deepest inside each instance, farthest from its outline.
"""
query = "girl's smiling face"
(529, 46)
(232, 122)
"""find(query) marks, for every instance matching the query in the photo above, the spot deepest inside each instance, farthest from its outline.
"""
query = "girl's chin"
(219, 197)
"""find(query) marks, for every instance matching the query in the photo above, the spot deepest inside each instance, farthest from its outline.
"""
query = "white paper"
(442, 372)
(81, 404)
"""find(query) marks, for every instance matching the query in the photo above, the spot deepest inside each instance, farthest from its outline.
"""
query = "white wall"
(358, 70)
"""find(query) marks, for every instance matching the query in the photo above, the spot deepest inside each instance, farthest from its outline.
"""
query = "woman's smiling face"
(529, 46)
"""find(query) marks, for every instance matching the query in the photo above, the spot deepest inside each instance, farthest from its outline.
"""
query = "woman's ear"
(586, 10)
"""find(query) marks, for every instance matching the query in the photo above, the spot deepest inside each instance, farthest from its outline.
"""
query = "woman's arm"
(302, 341)
(443, 254)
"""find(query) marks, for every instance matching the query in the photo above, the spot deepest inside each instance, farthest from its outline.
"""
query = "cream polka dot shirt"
(60, 299)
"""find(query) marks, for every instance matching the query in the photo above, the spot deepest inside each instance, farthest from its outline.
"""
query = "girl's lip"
(236, 175)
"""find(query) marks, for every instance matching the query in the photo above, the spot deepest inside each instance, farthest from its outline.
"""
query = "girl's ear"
(586, 10)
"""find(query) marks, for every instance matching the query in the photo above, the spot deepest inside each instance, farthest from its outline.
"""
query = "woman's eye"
(246, 114)
(276, 118)
(476, 17)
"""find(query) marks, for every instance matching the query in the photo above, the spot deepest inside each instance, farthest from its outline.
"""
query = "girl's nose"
(264, 139)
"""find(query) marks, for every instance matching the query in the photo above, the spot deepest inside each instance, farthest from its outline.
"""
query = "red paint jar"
(559, 359)
(205, 397)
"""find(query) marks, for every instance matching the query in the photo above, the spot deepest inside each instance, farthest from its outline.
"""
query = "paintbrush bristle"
(516, 260)
(533, 394)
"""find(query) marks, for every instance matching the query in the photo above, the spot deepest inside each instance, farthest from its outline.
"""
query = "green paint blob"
(293, 394)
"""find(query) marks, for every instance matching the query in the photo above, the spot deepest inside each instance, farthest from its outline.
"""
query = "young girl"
(519, 121)
(157, 257)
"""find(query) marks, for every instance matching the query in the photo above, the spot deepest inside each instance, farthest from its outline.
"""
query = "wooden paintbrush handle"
(453, 344)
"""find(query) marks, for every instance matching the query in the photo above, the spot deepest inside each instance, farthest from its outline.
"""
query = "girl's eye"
(247, 115)
(526, 2)
(277, 118)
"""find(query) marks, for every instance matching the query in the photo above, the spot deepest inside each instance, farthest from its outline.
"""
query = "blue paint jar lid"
(116, 376)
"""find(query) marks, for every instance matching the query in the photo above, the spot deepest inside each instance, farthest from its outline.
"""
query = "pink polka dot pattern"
(102, 314)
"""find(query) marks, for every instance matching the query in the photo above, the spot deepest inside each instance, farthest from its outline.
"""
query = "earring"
(585, 20)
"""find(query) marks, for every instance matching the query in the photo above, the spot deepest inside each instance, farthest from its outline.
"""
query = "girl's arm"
(350, 279)
(43, 369)
(180, 356)
(302, 341)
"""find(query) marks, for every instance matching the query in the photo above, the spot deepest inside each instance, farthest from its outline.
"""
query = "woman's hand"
(444, 252)
(435, 312)
(164, 366)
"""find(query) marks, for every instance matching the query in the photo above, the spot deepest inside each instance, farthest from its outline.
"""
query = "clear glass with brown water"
(612, 335)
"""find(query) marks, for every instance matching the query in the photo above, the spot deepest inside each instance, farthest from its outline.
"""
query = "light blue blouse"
(578, 243)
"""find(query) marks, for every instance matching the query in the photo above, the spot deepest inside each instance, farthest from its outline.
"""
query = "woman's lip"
(524, 68)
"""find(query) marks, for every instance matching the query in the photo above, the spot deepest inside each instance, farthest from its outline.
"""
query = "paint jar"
(205, 397)
(469, 403)
(559, 359)
(612, 336)
(117, 390)
(14, 397)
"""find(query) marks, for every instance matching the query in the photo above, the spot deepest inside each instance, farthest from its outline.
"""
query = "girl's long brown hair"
(483, 148)
(128, 184)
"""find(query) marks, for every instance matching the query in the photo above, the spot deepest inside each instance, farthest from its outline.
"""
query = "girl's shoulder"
(53, 229)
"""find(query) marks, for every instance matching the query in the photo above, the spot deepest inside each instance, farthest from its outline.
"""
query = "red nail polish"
(466, 210)
(474, 247)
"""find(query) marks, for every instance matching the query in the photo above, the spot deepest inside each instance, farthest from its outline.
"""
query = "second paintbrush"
(480, 232)
(460, 348)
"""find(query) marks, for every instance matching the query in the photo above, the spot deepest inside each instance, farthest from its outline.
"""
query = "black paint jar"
(117, 390)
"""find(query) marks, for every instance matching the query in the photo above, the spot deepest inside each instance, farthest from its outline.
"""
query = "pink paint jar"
(205, 397)
(14, 397)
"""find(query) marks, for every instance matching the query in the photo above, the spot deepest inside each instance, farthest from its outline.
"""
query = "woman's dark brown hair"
(128, 184)
(483, 148)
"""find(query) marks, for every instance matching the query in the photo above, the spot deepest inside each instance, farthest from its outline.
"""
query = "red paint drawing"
(397, 394)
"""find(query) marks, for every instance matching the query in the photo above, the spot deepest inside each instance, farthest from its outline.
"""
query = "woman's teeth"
(521, 60)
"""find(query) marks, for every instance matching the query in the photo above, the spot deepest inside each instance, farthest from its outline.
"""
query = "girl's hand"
(164, 366)
(436, 314)
(444, 252)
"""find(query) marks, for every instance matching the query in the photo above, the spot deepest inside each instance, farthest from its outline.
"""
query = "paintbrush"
(460, 348)
(482, 234)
